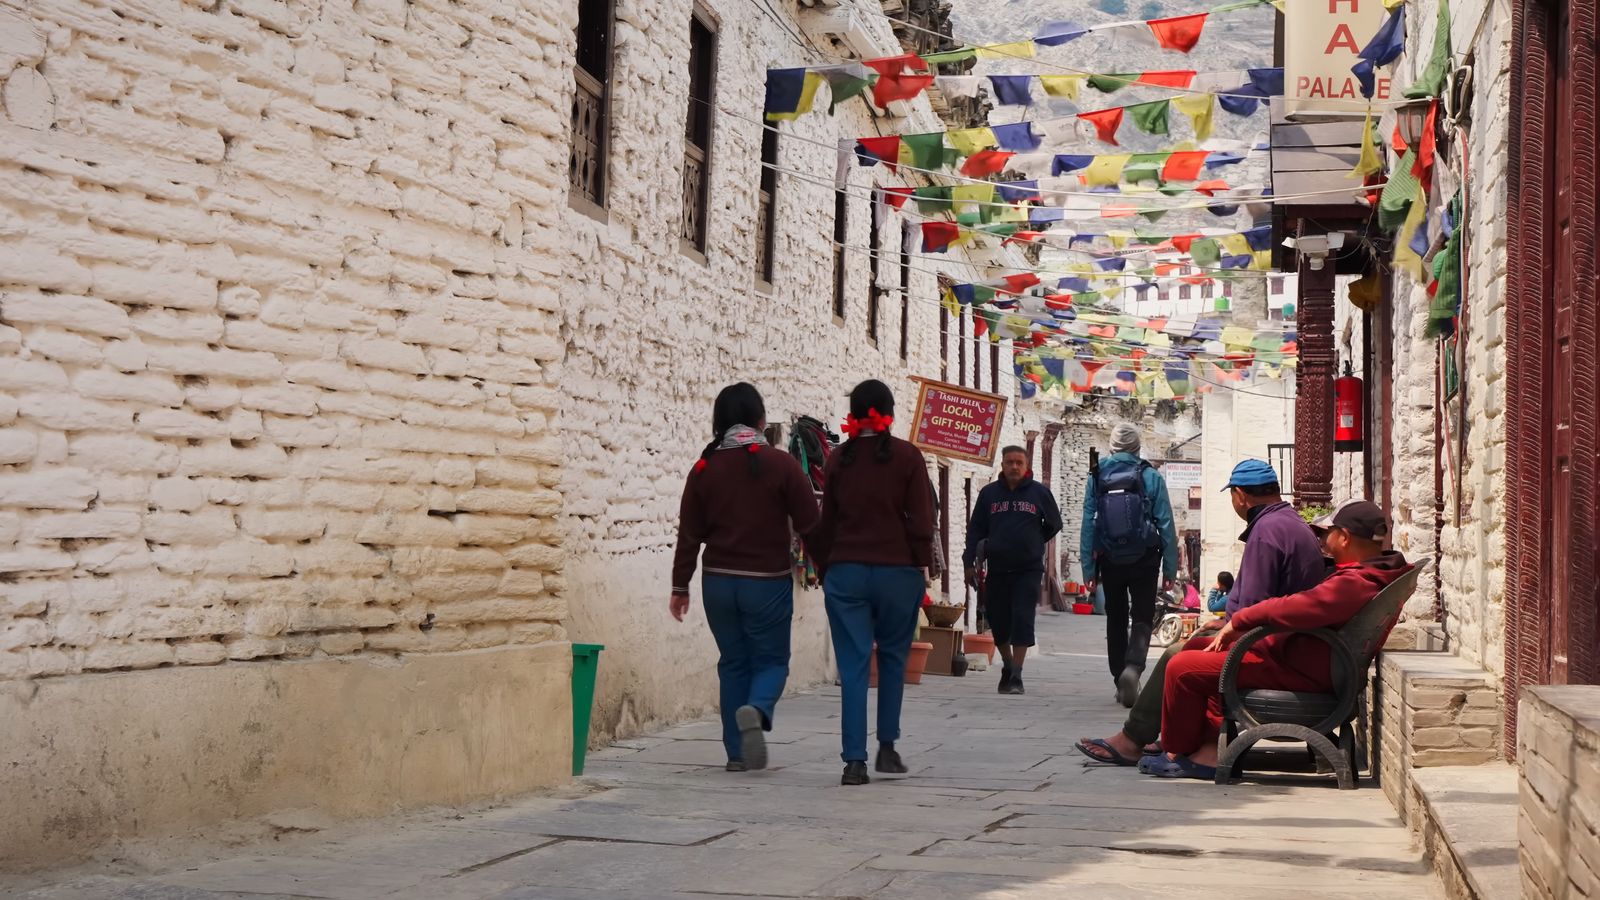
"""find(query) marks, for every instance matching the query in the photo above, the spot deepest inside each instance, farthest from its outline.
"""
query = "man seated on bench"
(1191, 710)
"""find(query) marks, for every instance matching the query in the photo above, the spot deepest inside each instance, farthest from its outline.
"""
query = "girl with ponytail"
(739, 501)
(871, 547)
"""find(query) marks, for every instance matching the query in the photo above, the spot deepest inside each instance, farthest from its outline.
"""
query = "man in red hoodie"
(1353, 535)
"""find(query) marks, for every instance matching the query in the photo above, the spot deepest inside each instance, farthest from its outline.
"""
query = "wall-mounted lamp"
(1315, 247)
(1412, 118)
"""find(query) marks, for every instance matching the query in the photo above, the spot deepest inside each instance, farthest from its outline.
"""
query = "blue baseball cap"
(1252, 473)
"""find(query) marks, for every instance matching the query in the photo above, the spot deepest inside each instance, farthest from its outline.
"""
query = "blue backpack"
(1124, 527)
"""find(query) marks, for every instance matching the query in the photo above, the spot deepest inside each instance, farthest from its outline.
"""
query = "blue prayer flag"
(1012, 90)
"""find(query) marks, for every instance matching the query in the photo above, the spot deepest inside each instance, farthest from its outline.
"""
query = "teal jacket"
(1155, 487)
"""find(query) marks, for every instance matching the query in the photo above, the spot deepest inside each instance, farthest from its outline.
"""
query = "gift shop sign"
(1321, 40)
(958, 423)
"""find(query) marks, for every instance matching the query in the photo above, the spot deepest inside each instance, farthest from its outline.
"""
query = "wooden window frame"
(841, 233)
(874, 264)
(694, 237)
(597, 88)
(767, 210)
(905, 292)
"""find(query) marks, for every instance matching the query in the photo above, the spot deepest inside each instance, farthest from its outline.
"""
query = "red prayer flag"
(980, 326)
(897, 196)
(1090, 369)
(1195, 279)
(1058, 301)
(1039, 340)
(1422, 166)
(1209, 188)
(1182, 241)
(886, 149)
(1173, 78)
(1118, 211)
(1016, 284)
(1167, 268)
(1184, 165)
(1023, 237)
(895, 65)
(1397, 142)
(898, 87)
(1106, 122)
(1180, 32)
(937, 236)
(986, 162)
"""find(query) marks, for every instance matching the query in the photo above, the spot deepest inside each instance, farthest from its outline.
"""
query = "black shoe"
(889, 762)
(1128, 687)
(753, 742)
(1016, 684)
(736, 765)
(855, 773)
(1005, 681)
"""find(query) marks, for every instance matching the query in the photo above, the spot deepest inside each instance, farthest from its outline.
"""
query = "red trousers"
(1191, 696)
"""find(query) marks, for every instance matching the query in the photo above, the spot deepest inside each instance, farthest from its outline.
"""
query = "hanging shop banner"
(957, 422)
(1181, 476)
(1322, 40)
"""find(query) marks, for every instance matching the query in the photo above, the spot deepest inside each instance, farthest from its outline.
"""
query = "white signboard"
(1181, 476)
(1321, 40)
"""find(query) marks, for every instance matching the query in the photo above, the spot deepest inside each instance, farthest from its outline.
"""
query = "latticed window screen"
(697, 137)
(586, 168)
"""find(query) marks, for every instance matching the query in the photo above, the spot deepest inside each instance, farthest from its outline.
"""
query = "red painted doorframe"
(1553, 378)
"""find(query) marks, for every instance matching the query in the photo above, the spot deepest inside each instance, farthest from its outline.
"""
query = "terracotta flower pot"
(978, 643)
(917, 659)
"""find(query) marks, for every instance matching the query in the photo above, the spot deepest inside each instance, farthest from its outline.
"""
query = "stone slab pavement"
(997, 806)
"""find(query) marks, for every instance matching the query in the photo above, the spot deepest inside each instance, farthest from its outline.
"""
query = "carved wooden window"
(767, 205)
(697, 136)
(905, 290)
(586, 169)
(841, 212)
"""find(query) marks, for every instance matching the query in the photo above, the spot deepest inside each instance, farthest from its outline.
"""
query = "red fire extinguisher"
(1347, 423)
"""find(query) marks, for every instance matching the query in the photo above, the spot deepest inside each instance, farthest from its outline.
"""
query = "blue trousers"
(867, 603)
(751, 619)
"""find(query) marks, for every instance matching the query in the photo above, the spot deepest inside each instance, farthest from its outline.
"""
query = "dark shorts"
(1012, 600)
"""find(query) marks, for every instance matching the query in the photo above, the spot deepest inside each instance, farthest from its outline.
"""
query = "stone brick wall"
(1558, 820)
(1471, 546)
(278, 360)
(652, 332)
(1432, 709)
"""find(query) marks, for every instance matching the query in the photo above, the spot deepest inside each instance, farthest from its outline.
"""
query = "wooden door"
(1558, 364)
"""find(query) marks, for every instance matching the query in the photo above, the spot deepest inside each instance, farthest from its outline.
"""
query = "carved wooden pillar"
(1313, 409)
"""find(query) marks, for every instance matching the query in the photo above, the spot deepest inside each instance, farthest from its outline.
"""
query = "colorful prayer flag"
(1018, 191)
(1184, 165)
(896, 196)
(1069, 162)
(1106, 169)
(1179, 33)
(845, 83)
(1152, 117)
(1062, 85)
(927, 150)
(1014, 50)
(1105, 122)
(896, 65)
(938, 236)
(1054, 34)
(873, 150)
(933, 199)
(1018, 137)
(968, 141)
(790, 93)
(1172, 78)
(1369, 163)
(1199, 109)
(1431, 82)
(1012, 90)
(890, 88)
(986, 162)
(961, 54)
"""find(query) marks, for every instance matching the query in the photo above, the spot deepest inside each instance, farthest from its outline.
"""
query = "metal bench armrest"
(1347, 689)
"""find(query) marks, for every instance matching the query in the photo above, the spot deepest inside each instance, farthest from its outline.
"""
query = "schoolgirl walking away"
(739, 502)
(872, 546)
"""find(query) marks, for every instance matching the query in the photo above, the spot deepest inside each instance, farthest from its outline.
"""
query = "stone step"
(1468, 824)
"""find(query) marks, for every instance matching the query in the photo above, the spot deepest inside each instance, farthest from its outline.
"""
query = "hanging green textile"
(1431, 82)
(1395, 201)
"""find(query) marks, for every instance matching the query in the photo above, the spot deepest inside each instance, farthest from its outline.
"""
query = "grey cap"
(1125, 438)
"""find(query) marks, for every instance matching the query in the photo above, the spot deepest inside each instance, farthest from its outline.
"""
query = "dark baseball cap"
(1361, 518)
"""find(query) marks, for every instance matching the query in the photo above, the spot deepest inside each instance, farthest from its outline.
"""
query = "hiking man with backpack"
(1129, 546)
(1013, 519)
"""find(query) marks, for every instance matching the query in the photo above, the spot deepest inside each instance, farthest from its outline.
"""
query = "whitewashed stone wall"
(652, 333)
(278, 366)
(1472, 545)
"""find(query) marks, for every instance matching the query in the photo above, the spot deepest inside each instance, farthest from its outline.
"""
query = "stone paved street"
(998, 806)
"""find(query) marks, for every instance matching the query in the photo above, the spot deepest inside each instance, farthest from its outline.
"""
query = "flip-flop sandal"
(753, 743)
(1164, 766)
(1153, 748)
(1113, 758)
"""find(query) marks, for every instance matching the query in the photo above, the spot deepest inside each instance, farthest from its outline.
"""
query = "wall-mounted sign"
(1320, 41)
(957, 422)
(1180, 476)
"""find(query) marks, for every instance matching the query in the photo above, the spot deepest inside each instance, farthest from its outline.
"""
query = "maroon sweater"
(875, 512)
(742, 518)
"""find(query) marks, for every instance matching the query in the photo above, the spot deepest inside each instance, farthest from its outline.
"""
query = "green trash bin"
(585, 664)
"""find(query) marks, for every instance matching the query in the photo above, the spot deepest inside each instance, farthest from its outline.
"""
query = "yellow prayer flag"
(1262, 261)
(1404, 256)
(1120, 239)
(972, 193)
(1370, 162)
(1105, 170)
(1236, 245)
(1199, 108)
(808, 94)
(1238, 336)
(970, 141)
(1391, 4)
(1016, 50)
(1014, 214)
(1062, 85)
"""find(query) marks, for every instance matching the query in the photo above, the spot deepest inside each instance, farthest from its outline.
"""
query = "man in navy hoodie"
(1016, 516)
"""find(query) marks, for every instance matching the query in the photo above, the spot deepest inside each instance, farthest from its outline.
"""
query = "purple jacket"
(1282, 556)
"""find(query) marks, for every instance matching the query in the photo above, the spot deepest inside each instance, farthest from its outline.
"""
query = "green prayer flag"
(1173, 191)
(1205, 252)
(1447, 271)
(845, 87)
(927, 150)
(1149, 238)
(950, 56)
(1144, 167)
(1431, 82)
(982, 293)
(1151, 118)
(1109, 84)
(933, 199)
(1002, 230)
(1395, 202)
(1154, 215)
(969, 219)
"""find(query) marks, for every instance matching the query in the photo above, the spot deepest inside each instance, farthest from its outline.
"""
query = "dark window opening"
(874, 267)
(944, 343)
(994, 368)
(767, 205)
(697, 136)
(586, 165)
(841, 212)
(905, 291)
(961, 346)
